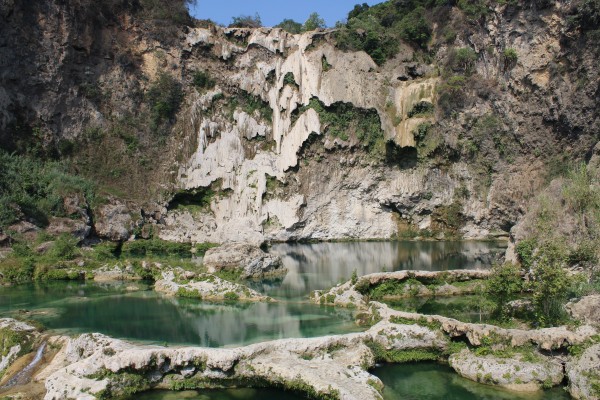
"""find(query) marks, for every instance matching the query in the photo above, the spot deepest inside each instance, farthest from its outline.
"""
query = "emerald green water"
(133, 311)
(150, 317)
(431, 381)
(420, 381)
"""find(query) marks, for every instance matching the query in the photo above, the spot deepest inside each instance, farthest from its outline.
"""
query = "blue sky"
(273, 12)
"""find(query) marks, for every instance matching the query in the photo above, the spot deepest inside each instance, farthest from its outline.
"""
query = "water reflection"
(315, 266)
(148, 316)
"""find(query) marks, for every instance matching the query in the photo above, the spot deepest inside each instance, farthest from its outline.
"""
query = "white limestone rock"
(514, 373)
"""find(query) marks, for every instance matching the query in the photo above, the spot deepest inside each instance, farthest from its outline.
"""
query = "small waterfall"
(23, 376)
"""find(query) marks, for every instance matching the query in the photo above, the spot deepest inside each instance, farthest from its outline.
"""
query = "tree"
(246, 21)
(313, 22)
(290, 26)
(503, 286)
(357, 10)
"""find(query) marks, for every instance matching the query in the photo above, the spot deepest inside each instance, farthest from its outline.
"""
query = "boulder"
(584, 374)
(77, 228)
(25, 229)
(250, 260)
(114, 221)
(586, 309)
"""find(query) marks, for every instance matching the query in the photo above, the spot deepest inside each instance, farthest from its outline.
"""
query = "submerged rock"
(526, 372)
(247, 259)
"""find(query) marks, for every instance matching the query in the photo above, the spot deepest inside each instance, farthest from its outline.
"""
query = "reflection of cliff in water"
(321, 265)
(151, 317)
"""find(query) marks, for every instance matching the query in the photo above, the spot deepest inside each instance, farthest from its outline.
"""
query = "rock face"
(273, 170)
(250, 260)
(586, 309)
(114, 221)
(512, 372)
(584, 374)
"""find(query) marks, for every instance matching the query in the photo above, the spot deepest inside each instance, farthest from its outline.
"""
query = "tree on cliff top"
(246, 21)
(313, 22)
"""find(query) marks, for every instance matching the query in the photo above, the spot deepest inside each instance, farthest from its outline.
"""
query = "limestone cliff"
(287, 137)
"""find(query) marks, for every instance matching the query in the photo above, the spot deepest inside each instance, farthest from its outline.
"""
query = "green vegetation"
(343, 120)
(164, 97)
(378, 29)
(10, 338)
(422, 321)
(290, 26)
(250, 104)
(313, 22)
(155, 247)
(421, 109)
(587, 15)
(33, 189)
(231, 296)
(493, 345)
(189, 293)
(246, 21)
(402, 356)
(502, 287)
(170, 10)
(202, 80)
(576, 350)
(510, 58)
(463, 60)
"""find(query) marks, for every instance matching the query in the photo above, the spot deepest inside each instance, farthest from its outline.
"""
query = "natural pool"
(130, 310)
(420, 381)
(78, 307)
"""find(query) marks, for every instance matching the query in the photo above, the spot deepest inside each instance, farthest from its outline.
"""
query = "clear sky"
(273, 12)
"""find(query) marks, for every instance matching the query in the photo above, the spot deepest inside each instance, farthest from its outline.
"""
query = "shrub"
(422, 108)
(550, 285)
(231, 296)
(503, 286)
(588, 14)
(415, 28)
(290, 26)
(157, 247)
(64, 248)
(313, 22)
(202, 80)
(525, 250)
(164, 97)
(463, 59)
(33, 189)
(475, 9)
(16, 270)
(246, 21)
(510, 58)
